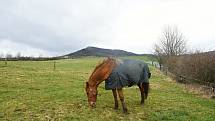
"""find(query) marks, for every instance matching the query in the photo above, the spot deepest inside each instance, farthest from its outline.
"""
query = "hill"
(210, 52)
(95, 51)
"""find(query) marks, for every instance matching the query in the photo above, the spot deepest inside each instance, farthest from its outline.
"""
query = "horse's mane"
(102, 63)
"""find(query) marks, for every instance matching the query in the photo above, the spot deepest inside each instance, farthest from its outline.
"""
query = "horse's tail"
(146, 89)
(146, 84)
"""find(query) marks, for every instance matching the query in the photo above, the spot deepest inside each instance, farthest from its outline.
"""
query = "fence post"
(166, 69)
(5, 61)
(54, 65)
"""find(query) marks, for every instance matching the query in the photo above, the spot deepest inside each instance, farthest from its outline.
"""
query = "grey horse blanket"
(128, 73)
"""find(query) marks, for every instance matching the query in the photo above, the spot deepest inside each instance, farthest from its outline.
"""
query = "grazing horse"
(117, 74)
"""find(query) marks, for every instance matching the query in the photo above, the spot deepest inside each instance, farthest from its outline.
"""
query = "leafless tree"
(18, 55)
(8, 55)
(159, 55)
(1, 55)
(172, 43)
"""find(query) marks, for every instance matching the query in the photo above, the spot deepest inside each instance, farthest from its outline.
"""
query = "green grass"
(145, 58)
(33, 90)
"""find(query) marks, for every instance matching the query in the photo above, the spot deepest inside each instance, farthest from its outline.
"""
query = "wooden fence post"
(54, 65)
(166, 70)
(5, 61)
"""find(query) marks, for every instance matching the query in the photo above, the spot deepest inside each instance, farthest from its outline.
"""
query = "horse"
(118, 73)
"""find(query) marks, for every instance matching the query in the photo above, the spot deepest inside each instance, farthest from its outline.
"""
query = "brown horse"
(103, 72)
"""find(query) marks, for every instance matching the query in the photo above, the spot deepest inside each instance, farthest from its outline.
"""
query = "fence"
(5, 63)
(207, 87)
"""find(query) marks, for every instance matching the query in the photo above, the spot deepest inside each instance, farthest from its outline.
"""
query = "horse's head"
(100, 73)
(91, 94)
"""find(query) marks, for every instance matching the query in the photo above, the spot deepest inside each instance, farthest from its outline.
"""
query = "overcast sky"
(56, 27)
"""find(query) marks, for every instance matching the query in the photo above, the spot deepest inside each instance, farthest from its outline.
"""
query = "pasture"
(34, 90)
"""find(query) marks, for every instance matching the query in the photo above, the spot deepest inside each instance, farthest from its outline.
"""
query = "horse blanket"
(128, 73)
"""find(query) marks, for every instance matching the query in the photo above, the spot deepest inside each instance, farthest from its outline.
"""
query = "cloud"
(60, 27)
(57, 26)
(25, 50)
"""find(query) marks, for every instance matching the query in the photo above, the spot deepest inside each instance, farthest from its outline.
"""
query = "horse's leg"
(115, 99)
(146, 89)
(142, 93)
(121, 97)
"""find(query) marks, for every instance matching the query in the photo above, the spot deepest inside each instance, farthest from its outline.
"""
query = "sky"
(58, 27)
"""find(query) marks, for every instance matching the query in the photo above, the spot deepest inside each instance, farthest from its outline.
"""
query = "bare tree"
(171, 43)
(18, 55)
(159, 55)
(8, 55)
(1, 55)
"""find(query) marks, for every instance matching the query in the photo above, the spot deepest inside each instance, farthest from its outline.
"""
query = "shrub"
(200, 66)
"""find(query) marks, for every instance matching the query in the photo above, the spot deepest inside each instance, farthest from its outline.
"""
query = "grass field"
(33, 90)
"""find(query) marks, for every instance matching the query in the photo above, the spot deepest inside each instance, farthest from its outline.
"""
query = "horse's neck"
(102, 73)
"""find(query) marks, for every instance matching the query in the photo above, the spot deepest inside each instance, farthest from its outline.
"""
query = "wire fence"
(207, 87)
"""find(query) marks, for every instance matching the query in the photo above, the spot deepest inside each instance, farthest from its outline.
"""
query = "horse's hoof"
(125, 111)
(142, 102)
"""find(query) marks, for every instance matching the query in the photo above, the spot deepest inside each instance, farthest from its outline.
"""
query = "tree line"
(18, 56)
